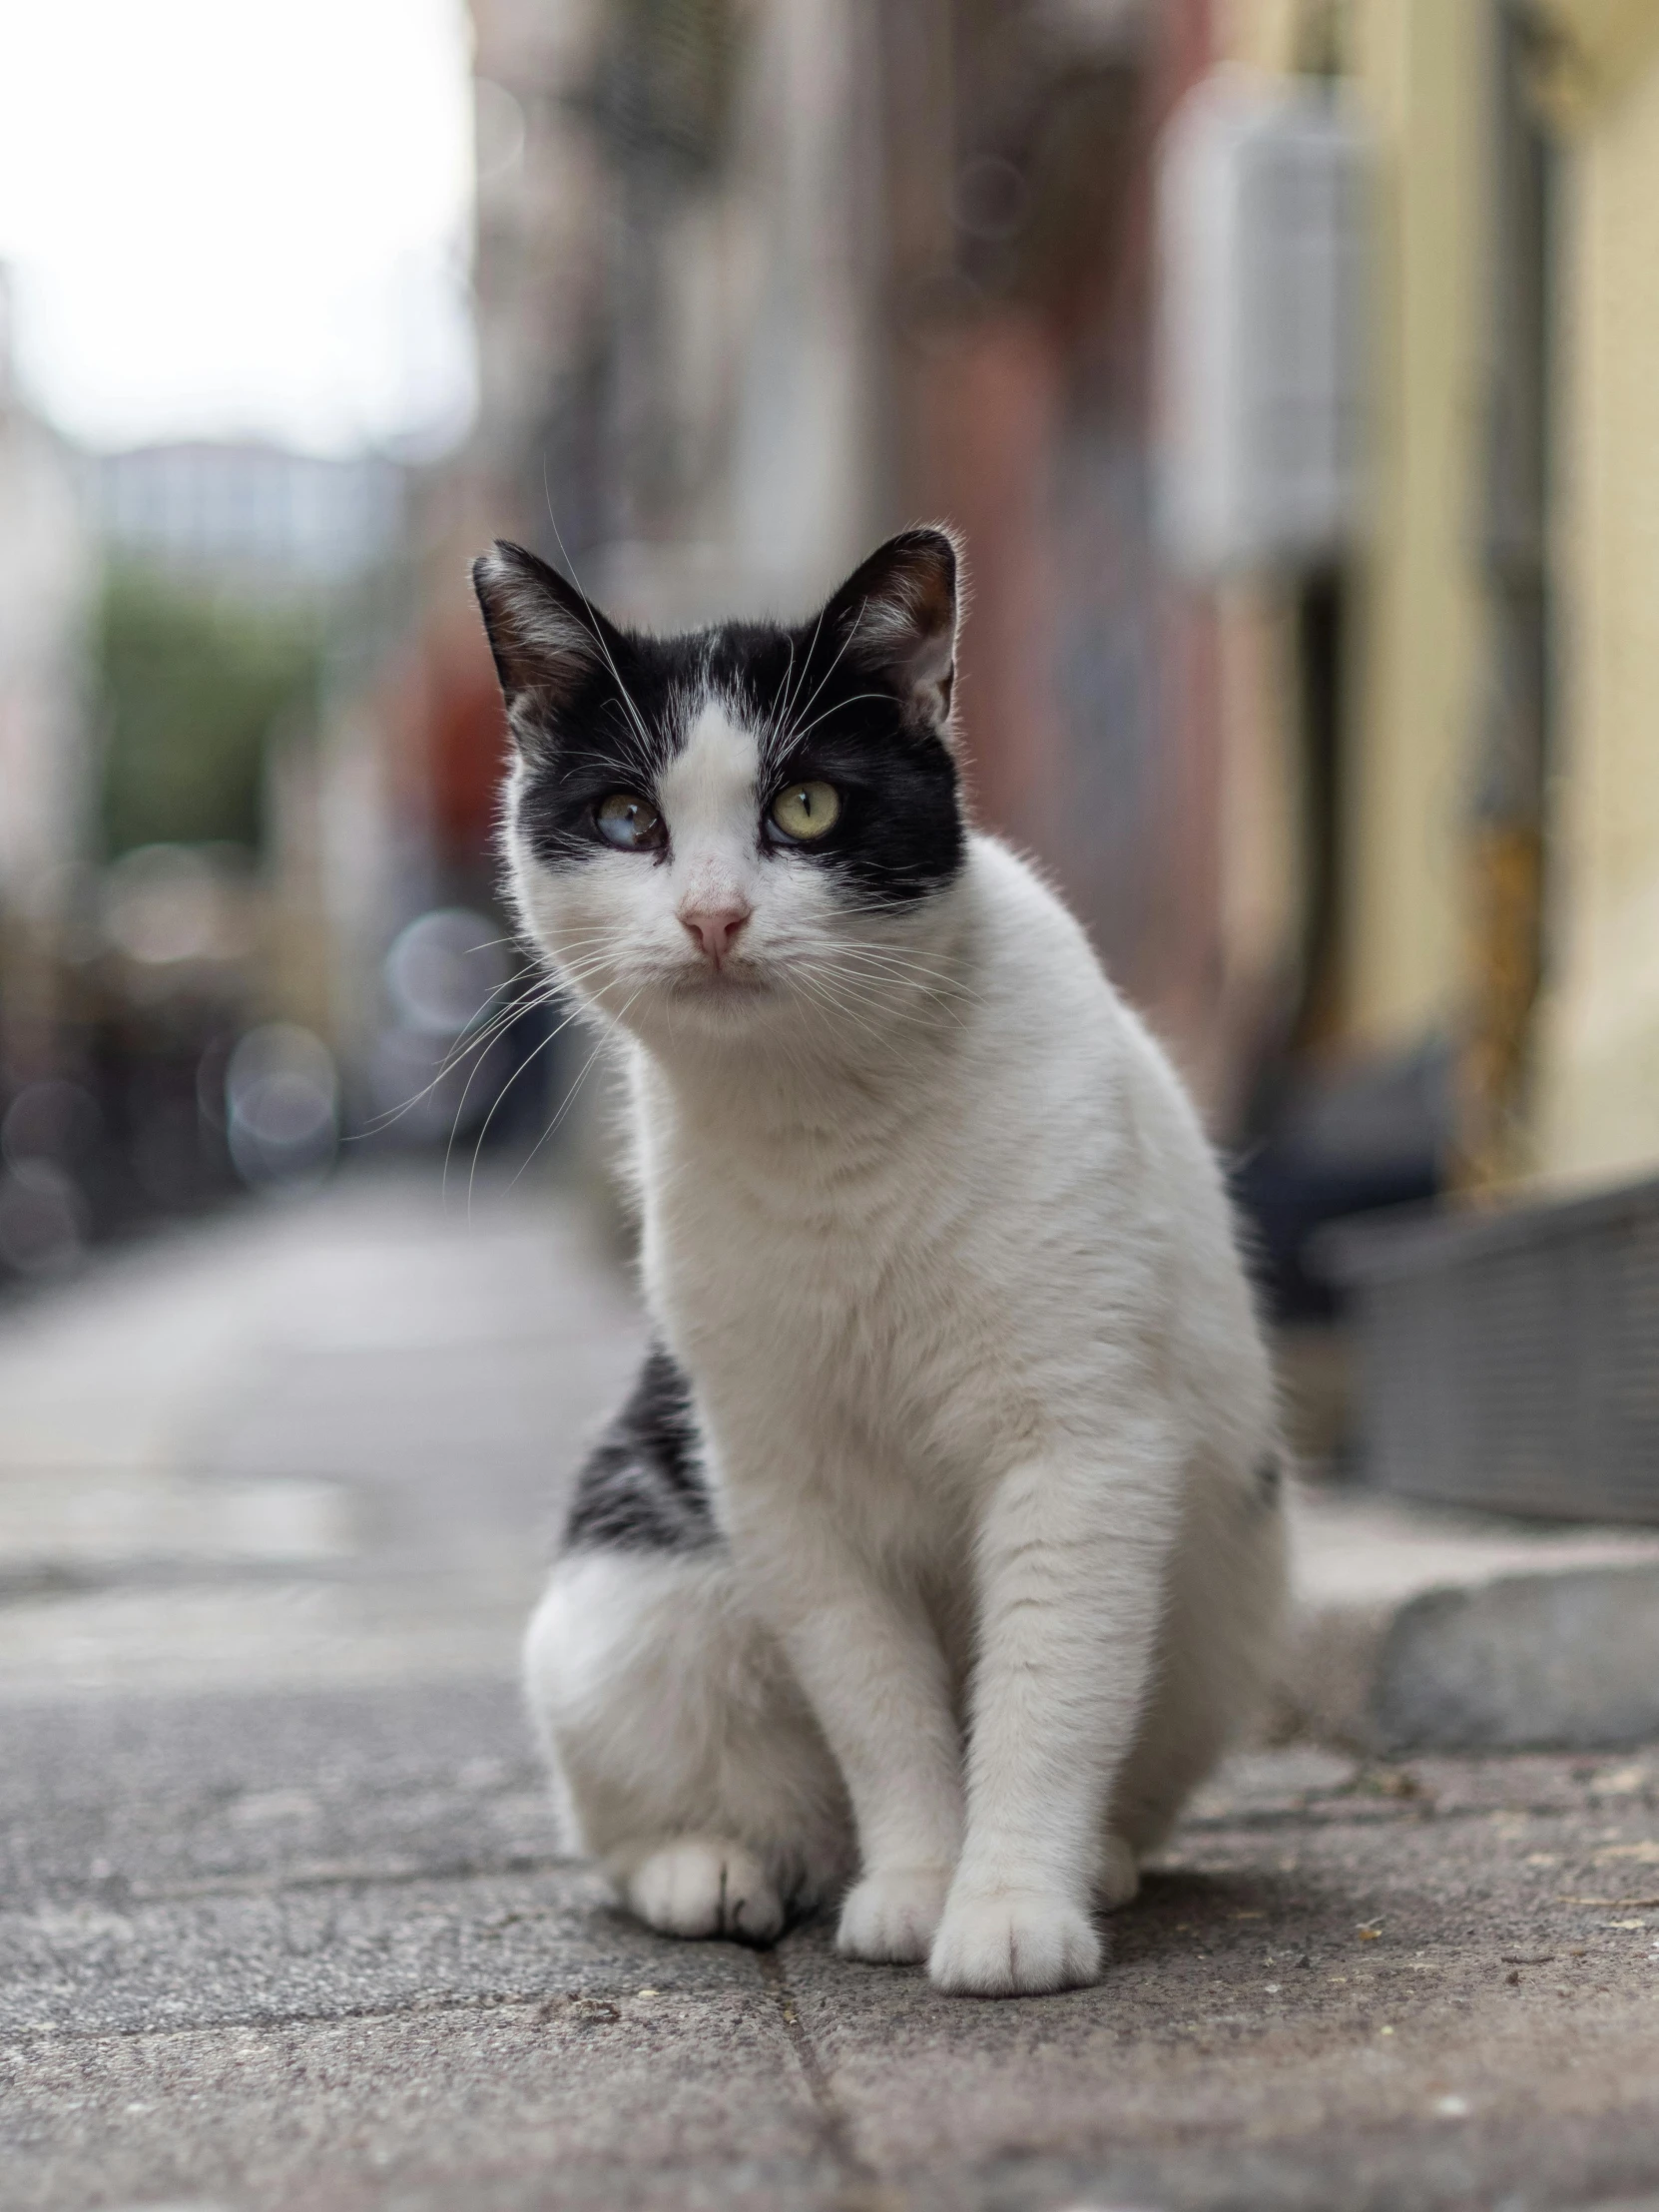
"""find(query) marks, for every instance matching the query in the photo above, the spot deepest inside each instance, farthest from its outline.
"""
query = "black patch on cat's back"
(643, 1486)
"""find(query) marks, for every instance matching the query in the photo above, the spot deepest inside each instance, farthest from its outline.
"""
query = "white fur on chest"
(916, 1286)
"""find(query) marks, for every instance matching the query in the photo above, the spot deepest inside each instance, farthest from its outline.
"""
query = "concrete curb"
(1415, 1631)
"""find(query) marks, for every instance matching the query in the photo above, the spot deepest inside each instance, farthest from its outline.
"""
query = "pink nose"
(715, 928)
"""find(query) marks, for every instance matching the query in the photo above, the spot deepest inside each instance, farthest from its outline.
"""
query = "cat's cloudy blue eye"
(630, 822)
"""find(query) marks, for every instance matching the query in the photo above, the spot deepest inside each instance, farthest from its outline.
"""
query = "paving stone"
(328, 1948)
(1411, 2007)
(547, 2104)
(138, 1796)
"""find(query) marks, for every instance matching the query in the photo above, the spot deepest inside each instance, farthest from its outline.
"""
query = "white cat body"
(992, 1562)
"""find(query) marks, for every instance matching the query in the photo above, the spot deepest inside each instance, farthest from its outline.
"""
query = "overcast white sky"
(231, 217)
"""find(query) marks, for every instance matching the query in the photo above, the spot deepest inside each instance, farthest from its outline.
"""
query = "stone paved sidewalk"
(280, 1924)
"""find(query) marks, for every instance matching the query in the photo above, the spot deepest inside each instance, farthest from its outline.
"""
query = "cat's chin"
(718, 1004)
(721, 988)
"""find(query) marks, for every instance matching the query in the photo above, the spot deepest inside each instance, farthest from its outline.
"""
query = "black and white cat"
(938, 1552)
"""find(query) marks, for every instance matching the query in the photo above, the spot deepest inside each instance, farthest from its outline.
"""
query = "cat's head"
(750, 828)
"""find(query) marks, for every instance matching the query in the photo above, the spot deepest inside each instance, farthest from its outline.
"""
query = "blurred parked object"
(1511, 1358)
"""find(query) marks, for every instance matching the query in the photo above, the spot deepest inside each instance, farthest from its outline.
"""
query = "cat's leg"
(871, 1665)
(1219, 1644)
(1071, 1565)
(685, 1758)
(1117, 1873)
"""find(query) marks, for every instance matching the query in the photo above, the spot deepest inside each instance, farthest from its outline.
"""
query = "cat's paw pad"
(699, 1888)
(1013, 1943)
(889, 1918)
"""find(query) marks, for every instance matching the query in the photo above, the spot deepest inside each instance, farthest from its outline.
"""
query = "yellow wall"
(1599, 1030)
(1261, 34)
(1417, 72)
(1420, 71)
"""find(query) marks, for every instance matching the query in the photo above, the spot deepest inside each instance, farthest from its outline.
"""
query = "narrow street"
(282, 1923)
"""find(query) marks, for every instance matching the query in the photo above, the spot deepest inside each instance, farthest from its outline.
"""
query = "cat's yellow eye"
(630, 822)
(805, 810)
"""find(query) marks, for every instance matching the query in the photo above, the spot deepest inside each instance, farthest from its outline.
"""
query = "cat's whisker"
(773, 721)
(478, 1043)
(821, 988)
(589, 615)
(569, 1099)
(877, 966)
(549, 997)
(852, 633)
(542, 990)
(899, 955)
(530, 1057)
(786, 707)
(799, 735)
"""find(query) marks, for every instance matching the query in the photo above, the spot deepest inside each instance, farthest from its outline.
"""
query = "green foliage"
(192, 684)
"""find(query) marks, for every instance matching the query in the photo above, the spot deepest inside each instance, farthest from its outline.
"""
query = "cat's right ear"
(898, 613)
(546, 636)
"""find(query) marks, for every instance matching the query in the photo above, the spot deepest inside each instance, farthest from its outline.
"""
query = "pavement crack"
(860, 2188)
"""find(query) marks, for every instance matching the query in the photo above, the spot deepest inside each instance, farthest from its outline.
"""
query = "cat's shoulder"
(1027, 932)
(1015, 888)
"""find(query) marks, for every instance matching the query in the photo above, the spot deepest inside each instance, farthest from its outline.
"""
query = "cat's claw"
(1011, 1943)
(890, 1917)
(698, 1888)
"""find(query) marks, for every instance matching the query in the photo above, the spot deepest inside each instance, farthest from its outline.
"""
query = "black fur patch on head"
(643, 1487)
(592, 708)
(857, 697)
(602, 741)
(828, 715)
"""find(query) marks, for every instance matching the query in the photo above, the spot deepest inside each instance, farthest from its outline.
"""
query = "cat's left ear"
(898, 615)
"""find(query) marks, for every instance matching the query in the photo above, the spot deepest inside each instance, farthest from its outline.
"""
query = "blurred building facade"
(1596, 1107)
(277, 520)
(1497, 780)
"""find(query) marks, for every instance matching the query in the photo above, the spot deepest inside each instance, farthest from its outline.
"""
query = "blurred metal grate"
(1511, 1358)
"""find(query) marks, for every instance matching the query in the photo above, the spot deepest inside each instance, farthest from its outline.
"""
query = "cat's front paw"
(1012, 1944)
(889, 1918)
